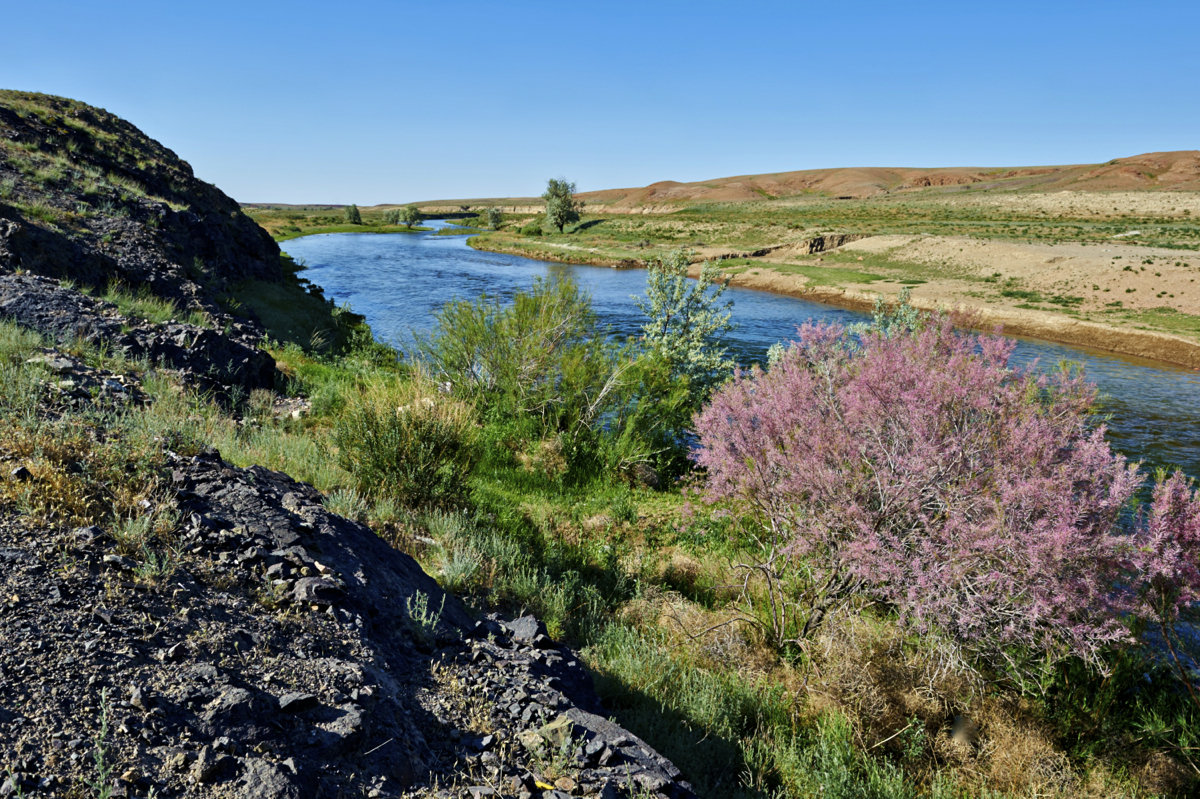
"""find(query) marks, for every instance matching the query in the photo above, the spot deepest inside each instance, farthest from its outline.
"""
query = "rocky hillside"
(291, 653)
(88, 199)
(178, 626)
(87, 196)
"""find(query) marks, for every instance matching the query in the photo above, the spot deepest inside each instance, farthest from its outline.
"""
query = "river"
(400, 281)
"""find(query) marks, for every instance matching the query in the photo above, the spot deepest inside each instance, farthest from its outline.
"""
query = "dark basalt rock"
(148, 223)
(204, 357)
(220, 681)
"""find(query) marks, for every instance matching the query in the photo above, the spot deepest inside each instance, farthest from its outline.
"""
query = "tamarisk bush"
(1165, 571)
(920, 470)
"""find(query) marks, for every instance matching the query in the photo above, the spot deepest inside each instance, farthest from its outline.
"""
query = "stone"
(211, 766)
(557, 732)
(297, 702)
(609, 790)
(316, 590)
(526, 628)
(340, 734)
(138, 698)
(119, 561)
(261, 779)
(10, 786)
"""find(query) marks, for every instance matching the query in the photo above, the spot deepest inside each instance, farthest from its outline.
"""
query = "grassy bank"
(285, 222)
(1023, 262)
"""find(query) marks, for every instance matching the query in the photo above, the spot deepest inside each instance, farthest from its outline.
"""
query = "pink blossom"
(972, 497)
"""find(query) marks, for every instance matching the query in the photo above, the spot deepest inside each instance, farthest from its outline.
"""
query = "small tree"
(393, 216)
(494, 217)
(686, 322)
(411, 216)
(353, 217)
(562, 208)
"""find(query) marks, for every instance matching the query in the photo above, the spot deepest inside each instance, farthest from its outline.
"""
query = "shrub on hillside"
(408, 443)
(916, 467)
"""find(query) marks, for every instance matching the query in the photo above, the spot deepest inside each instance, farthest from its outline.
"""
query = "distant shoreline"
(1162, 348)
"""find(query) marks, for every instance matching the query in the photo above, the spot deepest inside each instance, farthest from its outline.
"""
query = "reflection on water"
(399, 281)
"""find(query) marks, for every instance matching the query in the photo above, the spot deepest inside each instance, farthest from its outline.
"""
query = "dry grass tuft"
(544, 457)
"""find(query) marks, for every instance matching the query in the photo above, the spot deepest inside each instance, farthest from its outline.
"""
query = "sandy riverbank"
(970, 274)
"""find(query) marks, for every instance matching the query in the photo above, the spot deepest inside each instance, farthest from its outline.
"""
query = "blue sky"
(374, 102)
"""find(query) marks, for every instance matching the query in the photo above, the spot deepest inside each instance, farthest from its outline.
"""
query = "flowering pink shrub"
(922, 470)
(1168, 538)
(1165, 568)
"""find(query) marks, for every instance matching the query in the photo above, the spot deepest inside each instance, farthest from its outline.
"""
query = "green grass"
(1163, 318)
(825, 275)
(814, 275)
(147, 307)
(457, 230)
(292, 221)
(345, 228)
(598, 561)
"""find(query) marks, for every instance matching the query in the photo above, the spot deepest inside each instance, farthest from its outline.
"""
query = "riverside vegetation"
(829, 589)
(1102, 255)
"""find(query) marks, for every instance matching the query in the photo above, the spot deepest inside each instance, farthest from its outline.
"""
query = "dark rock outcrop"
(207, 358)
(284, 652)
(89, 198)
(92, 198)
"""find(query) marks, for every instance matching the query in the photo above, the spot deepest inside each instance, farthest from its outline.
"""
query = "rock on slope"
(86, 195)
(272, 649)
(292, 653)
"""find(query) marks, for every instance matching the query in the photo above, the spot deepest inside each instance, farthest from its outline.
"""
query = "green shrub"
(407, 442)
(542, 359)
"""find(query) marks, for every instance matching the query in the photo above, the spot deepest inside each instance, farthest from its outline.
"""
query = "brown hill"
(1177, 171)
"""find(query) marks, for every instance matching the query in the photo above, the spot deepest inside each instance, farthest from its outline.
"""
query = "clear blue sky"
(374, 102)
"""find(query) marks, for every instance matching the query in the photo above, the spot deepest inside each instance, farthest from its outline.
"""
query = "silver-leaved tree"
(687, 322)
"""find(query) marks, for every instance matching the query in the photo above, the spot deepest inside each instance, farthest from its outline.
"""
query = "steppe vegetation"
(694, 616)
(855, 595)
(1035, 261)
(285, 222)
(527, 487)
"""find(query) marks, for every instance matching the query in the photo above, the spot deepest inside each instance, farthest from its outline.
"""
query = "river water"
(400, 281)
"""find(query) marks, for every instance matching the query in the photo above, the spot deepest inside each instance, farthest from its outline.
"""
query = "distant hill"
(1169, 171)
(1177, 171)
